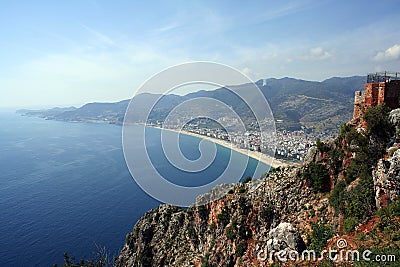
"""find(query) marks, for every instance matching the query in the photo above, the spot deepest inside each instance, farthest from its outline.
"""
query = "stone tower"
(382, 87)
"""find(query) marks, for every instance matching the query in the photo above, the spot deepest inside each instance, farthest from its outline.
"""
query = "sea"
(65, 187)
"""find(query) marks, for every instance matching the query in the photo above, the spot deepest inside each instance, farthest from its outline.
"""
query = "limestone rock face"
(394, 118)
(313, 155)
(387, 180)
(275, 210)
(285, 237)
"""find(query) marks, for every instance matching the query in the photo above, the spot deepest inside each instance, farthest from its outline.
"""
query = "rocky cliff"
(347, 187)
(232, 230)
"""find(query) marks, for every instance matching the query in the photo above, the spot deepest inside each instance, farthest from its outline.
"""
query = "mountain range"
(295, 104)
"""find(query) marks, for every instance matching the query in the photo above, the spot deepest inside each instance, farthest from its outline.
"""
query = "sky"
(62, 53)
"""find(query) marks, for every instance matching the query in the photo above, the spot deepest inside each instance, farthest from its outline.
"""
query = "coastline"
(273, 162)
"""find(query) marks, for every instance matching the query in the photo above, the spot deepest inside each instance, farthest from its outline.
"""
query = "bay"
(65, 187)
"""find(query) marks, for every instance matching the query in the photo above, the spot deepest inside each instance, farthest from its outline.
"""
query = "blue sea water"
(65, 187)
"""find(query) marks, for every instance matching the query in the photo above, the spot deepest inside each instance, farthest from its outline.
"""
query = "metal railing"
(382, 77)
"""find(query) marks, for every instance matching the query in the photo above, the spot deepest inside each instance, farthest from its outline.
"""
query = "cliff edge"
(348, 187)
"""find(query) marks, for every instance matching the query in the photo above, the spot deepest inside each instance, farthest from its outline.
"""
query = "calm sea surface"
(65, 187)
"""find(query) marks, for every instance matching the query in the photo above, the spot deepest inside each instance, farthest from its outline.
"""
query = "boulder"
(284, 237)
(394, 118)
(387, 180)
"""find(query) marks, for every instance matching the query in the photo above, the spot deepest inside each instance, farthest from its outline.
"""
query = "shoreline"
(263, 158)
(268, 160)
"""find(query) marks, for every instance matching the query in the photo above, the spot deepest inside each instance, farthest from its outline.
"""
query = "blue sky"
(58, 53)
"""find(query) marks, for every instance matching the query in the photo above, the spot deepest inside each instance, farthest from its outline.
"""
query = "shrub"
(361, 200)
(386, 214)
(379, 129)
(247, 179)
(336, 155)
(338, 197)
(230, 232)
(394, 208)
(266, 212)
(378, 124)
(350, 224)
(241, 249)
(102, 258)
(321, 233)
(191, 232)
(318, 176)
(204, 261)
(244, 232)
(243, 207)
(213, 227)
(321, 146)
(223, 217)
(203, 212)
(344, 129)
(242, 190)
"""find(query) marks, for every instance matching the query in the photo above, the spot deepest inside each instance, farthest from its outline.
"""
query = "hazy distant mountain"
(295, 103)
(45, 113)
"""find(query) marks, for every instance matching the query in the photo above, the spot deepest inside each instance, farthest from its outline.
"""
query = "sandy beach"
(275, 163)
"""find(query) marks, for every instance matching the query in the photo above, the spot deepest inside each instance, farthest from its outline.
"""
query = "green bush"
(244, 232)
(321, 233)
(203, 212)
(230, 232)
(247, 179)
(387, 214)
(321, 146)
(336, 155)
(350, 224)
(344, 129)
(360, 167)
(361, 200)
(223, 217)
(337, 199)
(379, 129)
(266, 212)
(318, 176)
(241, 249)
(213, 226)
(394, 208)
(378, 124)
(242, 190)
(204, 261)
(243, 207)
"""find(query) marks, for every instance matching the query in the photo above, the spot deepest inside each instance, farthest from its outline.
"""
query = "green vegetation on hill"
(321, 106)
(352, 196)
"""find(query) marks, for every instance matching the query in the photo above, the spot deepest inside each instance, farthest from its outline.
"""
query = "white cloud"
(167, 27)
(391, 53)
(285, 9)
(318, 53)
(81, 76)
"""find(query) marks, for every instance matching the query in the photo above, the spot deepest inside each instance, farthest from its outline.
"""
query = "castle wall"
(377, 93)
(358, 104)
(374, 93)
(392, 94)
